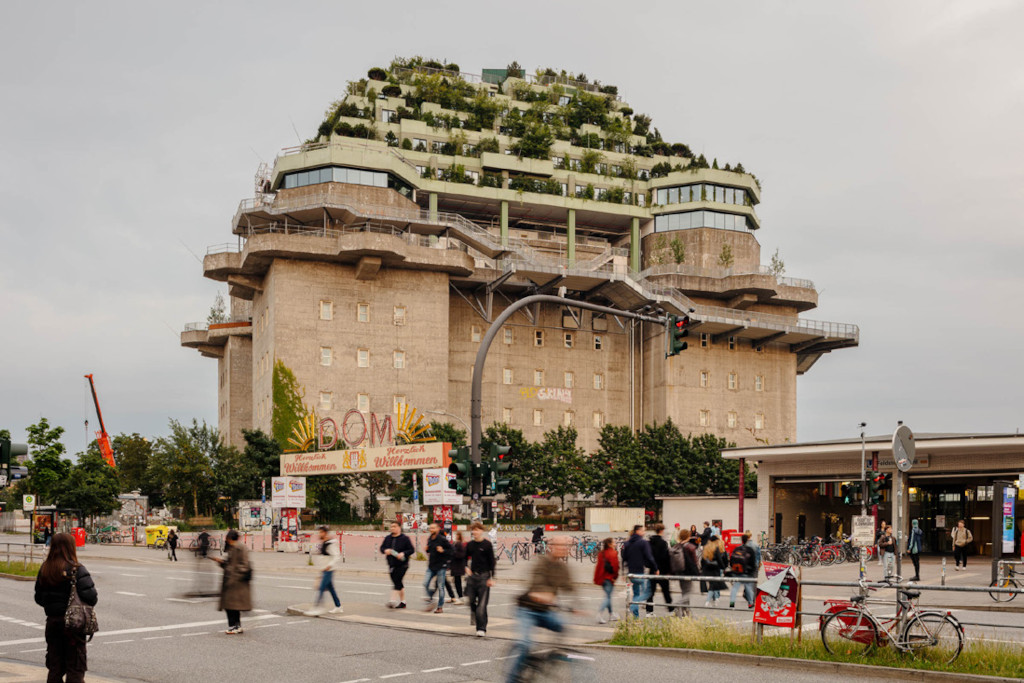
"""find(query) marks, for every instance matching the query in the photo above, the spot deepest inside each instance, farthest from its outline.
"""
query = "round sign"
(903, 448)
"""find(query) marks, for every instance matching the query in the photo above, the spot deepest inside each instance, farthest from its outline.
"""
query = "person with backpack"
(606, 573)
(744, 561)
(683, 562)
(961, 537)
(914, 543)
(399, 550)
(328, 549)
(60, 571)
(236, 589)
(714, 562)
(637, 557)
(660, 550)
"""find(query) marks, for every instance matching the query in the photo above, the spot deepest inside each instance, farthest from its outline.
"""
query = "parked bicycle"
(1006, 578)
(851, 627)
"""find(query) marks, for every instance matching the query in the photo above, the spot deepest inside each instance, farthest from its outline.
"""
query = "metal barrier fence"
(27, 552)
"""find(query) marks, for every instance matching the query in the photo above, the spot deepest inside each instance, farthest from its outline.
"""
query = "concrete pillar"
(504, 223)
(433, 207)
(571, 238)
(634, 246)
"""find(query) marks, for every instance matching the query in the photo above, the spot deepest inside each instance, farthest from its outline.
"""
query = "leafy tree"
(521, 462)
(47, 470)
(264, 451)
(329, 496)
(91, 486)
(376, 485)
(288, 406)
(235, 478)
(561, 467)
(589, 161)
(183, 465)
(5, 434)
(535, 142)
(678, 250)
(218, 312)
(132, 454)
(778, 266)
(448, 433)
(713, 474)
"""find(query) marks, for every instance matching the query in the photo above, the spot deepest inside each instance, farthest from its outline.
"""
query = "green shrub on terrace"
(661, 169)
(356, 131)
(589, 161)
(489, 180)
(590, 141)
(456, 173)
(535, 142)
(615, 195)
(377, 74)
(391, 91)
(407, 144)
(391, 139)
(488, 145)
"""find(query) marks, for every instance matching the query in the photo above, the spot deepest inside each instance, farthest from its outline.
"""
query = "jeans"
(642, 591)
(609, 588)
(433, 574)
(478, 593)
(529, 619)
(327, 586)
(960, 554)
(889, 560)
(748, 592)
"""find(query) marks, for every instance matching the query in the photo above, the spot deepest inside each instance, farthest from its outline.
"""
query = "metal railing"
(27, 552)
(716, 272)
(197, 327)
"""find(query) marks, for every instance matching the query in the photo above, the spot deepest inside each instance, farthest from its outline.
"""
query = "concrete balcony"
(739, 290)
(514, 164)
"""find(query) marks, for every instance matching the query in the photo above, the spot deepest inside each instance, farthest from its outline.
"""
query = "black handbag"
(79, 618)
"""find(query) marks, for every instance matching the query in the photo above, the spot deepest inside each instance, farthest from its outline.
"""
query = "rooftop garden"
(539, 117)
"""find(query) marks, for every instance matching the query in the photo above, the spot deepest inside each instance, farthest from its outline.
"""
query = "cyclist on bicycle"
(538, 605)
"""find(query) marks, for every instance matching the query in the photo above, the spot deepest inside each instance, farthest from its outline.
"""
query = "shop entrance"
(938, 503)
(804, 510)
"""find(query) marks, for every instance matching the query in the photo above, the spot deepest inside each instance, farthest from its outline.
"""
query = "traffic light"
(877, 486)
(677, 329)
(462, 467)
(850, 493)
(500, 464)
(9, 451)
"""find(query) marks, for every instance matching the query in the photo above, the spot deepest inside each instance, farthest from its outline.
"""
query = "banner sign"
(776, 598)
(413, 456)
(1009, 499)
(435, 488)
(547, 394)
(863, 531)
(288, 492)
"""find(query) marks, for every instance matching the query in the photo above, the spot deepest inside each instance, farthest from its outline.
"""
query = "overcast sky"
(887, 136)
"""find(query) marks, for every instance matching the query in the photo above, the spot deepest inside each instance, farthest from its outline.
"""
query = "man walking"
(887, 546)
(745, 560)
(439, 553)
(705, 535)
(636, 557)
(660, 551)
(480, 557)
(330, 550)
(914, 543)
(398, 549)
(962, 537)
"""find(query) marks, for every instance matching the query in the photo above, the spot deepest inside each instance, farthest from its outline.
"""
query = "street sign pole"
(903, 452)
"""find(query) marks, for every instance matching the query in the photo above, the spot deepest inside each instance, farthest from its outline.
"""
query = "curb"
(17, 577)
(806, 664)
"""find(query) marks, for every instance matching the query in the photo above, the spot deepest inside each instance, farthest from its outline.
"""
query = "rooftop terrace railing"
(700, 271)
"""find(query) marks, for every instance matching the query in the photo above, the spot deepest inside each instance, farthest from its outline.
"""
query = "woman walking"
(714, 561)
(65, 651)
(606, 572)
(458, 567)
(172, 545)
(914, 543)
(235, 593)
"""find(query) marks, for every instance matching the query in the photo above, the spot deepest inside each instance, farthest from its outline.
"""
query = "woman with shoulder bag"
(714, 562)
(65, 649)
(236, 593)
(606, 571)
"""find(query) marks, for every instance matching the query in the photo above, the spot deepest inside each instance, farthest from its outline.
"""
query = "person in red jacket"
(606, 571)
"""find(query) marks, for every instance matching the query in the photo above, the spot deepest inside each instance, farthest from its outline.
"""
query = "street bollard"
(943, 572)
(863, 570)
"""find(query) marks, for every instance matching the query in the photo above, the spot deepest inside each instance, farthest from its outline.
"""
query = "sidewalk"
(18, 672)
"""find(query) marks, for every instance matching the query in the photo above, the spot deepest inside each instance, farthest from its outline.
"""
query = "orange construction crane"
(102, 438)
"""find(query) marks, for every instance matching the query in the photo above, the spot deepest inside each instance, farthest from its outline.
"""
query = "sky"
(887, 137)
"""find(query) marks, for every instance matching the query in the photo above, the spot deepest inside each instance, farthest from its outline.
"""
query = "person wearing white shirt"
(328, 549)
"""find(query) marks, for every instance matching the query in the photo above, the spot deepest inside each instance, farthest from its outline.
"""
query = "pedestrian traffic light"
(876, 487)
(677, 328)
(500, 464)
(9, 451)
(462, 468)
(850, 493)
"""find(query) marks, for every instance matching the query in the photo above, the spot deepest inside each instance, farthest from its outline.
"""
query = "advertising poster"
(1009, 499)
(776, 603)
(444, 516)
(288, 492)
(435, 488)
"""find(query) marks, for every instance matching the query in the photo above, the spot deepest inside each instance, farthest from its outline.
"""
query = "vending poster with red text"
(776, 603)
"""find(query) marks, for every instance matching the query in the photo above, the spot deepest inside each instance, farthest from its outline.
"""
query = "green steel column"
(433, 207)
(634, 246)
(504, 223)
(571, 238)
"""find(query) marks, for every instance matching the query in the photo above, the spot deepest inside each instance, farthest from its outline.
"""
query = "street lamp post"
(441, 412)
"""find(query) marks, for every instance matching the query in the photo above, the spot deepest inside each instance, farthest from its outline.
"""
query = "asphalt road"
(152, 633)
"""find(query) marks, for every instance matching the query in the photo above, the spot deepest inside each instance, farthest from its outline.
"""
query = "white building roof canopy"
(926, 444)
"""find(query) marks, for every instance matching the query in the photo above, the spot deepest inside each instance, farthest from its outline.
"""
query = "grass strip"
(18, 568)
(978, 657)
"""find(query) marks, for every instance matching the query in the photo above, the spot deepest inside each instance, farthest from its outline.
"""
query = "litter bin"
(79, 534)
(155, 532)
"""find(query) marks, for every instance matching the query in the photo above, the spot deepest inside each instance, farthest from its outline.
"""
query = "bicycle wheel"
(1003, 583)
(849, 632)
(933, 637)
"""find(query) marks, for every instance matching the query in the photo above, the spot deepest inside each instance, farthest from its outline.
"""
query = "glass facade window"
(342, 174)
(701, 219)
(702, 192)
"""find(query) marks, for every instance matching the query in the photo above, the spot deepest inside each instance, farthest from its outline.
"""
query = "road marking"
(363, 593)
(118, 642)
(203, 633)
(137, 576)
(134, 595)
(287, 623)
(404, 673)
(157, 637)
(357, 680)
(508, 657)
(177, 578)
(185, 600)
(266, 626)
(482, 661)
(305, 588)
(39, 649)
(440, 668)
(144, 629)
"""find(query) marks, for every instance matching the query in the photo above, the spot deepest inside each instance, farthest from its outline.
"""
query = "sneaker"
(602, 619)
(456, 601)
(481, 634)
(615, 617)
(232, 631)
(732, 605)
(400, 605)
(315, 612)
(337, 610)
(438, 611)
(428, 598)
(391, 604)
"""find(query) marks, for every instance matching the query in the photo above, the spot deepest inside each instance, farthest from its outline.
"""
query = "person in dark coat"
(660, 551)
(65, 651)
(236, 592)
(637, 557)
(705, 535)
(439, 554)
(458, 567)
(714, 561)
(172, 545)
